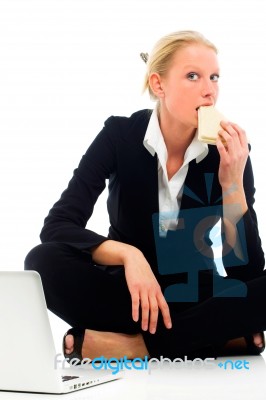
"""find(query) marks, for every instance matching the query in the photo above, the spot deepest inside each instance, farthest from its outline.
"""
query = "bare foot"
(109, 344)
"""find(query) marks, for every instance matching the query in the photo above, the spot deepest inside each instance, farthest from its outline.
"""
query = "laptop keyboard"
(68, 377)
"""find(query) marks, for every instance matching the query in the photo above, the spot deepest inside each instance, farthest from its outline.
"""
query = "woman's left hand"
(232, 146)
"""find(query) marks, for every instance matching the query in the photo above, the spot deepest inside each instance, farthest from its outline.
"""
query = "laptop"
(27, 350)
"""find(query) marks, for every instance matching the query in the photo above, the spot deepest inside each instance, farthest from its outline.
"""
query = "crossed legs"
(96, 298)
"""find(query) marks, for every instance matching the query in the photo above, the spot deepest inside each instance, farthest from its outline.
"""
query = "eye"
(193, 76)
(215, 77)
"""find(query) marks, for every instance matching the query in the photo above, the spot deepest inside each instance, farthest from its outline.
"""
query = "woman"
(111, 289)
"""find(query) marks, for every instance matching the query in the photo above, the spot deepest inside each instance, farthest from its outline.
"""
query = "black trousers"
(96, 297)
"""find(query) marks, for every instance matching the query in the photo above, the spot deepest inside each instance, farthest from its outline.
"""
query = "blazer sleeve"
(252, 242)
(66, 221)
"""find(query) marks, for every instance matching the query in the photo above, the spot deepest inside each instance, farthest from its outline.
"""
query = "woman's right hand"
(145, 292)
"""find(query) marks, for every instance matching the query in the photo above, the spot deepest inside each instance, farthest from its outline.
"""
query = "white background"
(66, 66)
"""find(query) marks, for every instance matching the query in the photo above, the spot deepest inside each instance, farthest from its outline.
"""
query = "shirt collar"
(153, 142)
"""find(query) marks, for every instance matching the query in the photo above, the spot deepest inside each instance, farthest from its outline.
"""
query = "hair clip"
(144, 57)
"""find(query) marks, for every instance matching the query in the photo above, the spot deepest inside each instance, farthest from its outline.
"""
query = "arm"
(236, 179)
(67, 219)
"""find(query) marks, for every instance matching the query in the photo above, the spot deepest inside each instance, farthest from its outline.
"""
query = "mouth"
(204, 105)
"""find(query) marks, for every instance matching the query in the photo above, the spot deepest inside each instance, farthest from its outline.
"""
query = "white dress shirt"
(170, 191)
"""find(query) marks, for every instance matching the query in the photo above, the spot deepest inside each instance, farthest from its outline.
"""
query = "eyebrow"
(194, 67)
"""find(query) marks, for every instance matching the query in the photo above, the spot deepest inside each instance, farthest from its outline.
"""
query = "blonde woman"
(111, 289)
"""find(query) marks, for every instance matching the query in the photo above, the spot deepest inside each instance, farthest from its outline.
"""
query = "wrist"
(130, 253)
(112, 252)
(232, 187)
(234, 202)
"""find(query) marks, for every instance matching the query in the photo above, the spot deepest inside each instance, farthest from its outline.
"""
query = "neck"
(177, 137)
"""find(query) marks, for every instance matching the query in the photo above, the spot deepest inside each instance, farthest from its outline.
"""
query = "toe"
(69, 344)
(257, 337)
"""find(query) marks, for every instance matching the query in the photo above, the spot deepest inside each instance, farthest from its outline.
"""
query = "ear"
(155, 82)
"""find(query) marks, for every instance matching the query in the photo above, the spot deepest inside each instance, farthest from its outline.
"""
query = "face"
(191, 82)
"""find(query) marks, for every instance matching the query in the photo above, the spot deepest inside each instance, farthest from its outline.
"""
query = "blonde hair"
(162, 54)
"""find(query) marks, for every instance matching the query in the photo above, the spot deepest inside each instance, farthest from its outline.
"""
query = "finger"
(228, 127)
(145, 308)
(154, 311)
(227, 139)
(231, 130)
(165, 311)
(135, 306)
(242, 135)
(222, 149)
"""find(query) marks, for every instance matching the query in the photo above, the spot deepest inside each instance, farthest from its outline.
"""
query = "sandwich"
(209, 120)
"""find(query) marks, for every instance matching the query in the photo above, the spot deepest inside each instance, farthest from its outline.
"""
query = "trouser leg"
(81, 293)
(211, 322)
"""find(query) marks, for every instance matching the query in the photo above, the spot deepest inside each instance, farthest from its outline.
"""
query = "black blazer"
(117, 154)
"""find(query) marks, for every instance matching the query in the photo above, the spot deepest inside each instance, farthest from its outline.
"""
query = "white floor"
(169, 382)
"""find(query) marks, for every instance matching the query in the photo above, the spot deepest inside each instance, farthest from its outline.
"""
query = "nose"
(208, 89)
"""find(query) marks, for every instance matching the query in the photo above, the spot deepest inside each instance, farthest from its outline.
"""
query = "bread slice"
(209, 124)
